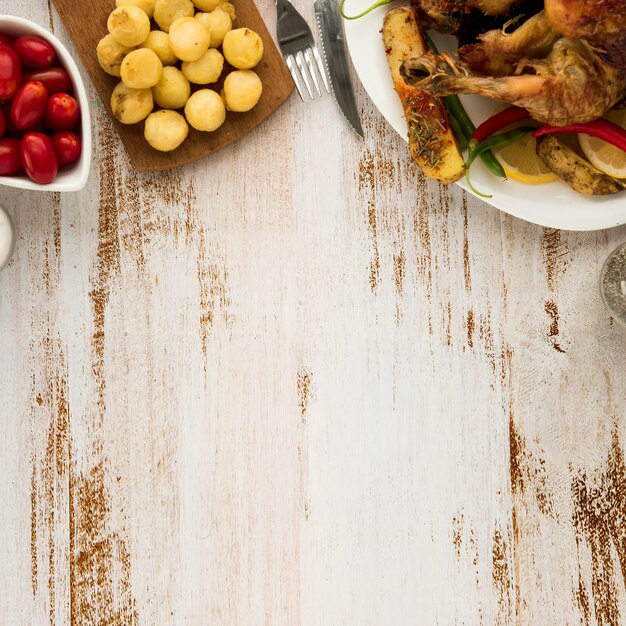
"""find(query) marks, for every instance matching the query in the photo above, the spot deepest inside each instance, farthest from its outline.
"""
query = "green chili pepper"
(463, 125)
(495, 141)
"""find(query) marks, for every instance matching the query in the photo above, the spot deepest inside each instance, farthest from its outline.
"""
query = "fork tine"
(294, 74)
(303, 73)
(309, 64)
(321, 68)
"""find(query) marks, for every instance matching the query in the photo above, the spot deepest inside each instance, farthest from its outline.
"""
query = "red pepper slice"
(600, 128)
(498, 122)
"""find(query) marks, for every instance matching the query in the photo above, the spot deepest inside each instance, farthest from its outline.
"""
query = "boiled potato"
(131, 105)
(173, 90)
(168, 11)
(205, 110)
(165, 130)
(207, 69)
(218, 23)
(129, 25)
(242, 90)
(141, 69)
(188, 39)
(147, 6)
(111, 54)
(207, 5)
(159, 42)
(243, 48)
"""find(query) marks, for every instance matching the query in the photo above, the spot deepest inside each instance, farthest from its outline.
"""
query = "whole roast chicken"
(564, 64)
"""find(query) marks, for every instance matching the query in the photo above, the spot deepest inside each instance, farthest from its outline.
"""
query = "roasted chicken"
(565, 64)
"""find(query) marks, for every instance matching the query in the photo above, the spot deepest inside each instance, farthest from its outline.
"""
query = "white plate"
(552, 204)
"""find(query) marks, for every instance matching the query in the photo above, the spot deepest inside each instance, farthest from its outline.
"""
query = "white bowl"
(72, 177)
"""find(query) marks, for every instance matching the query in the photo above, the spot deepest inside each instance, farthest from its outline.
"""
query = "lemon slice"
(520, 162)
(603, 155)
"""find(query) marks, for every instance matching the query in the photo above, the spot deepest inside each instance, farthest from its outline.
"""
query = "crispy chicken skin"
(565, 65)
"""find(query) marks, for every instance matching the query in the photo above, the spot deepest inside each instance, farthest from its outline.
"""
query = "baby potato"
(130, 106)
(168, 11)
(129, 25)
(189, 39)
(165, 130)
(147, 6)
(173, 89)
(207, 5)
(218, 23)
(207, 69)
(242, 90)
(243, 48)
(159, 43)
(111, 54)
(205, 110)
(141, 69)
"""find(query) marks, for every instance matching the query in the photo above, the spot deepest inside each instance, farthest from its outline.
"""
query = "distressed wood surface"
(297, 384)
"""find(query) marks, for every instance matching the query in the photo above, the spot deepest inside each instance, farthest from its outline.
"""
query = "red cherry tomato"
(34, 51)
(61, 112)
(3, 124)
(38, 157)
(54, 79)
(5, 40)
(10, 73)
(66, 146)
(10, 161)
(29, 105)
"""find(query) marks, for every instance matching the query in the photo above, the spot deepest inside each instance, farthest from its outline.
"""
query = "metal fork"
(297, 45)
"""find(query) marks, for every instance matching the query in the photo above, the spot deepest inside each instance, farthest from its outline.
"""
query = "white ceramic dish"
(73, 177)
(554, 204)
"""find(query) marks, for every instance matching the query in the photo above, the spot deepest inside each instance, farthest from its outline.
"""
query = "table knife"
(329, 23)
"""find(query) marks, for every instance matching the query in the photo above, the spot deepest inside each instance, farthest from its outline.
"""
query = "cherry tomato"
(38, 157)
(54, 79)
(66, 146)
(5, 40)
(61, 112)
(10, 161)
(29, 105)
(3, 124)
(34, 51)
(10, 73)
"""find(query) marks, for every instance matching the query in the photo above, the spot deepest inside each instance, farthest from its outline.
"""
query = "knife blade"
(329, 23)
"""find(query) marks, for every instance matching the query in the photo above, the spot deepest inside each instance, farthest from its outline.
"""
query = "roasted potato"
(218, 22)
(432, 143)
(242, 48)
(147, 6)
(574, 170)
(165, 130)
(242, 90)
(110, 55)
(168, 11)
(189, 39)
(129, 105)
(205, 110)
(173, 89)
(207, 5)
(159, 42)
(207, 69)
(141, 69)
(129, 25)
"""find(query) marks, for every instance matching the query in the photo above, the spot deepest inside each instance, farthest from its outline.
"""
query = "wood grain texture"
(308, 387)
(86, 24)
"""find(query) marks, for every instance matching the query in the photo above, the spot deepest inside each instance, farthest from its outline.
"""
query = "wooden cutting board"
(86, 22)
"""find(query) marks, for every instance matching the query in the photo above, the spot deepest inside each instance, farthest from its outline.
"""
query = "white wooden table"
(296, 383)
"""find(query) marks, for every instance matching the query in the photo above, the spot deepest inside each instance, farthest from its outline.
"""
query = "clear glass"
(613, 284)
